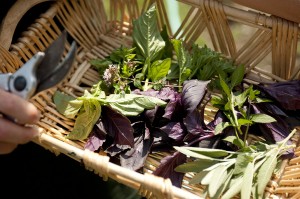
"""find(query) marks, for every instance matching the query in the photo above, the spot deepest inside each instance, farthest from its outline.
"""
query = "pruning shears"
(43, 71)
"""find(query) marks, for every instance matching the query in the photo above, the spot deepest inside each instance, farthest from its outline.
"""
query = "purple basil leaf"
(194, 122)
(118, 126)
(167, 166)
(287, 94)
(96, 139)
(193, 92)
(116, 149)
(173, 107)
(174, 130)
(134, 158)
(278, 130)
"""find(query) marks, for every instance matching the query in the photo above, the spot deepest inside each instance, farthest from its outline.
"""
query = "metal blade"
(62, 70)
(53, 55)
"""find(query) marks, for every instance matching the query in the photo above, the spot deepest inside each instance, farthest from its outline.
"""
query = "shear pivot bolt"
(20, 83)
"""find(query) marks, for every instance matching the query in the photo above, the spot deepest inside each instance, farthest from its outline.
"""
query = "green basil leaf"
(262, 118)
(146, 35)
(159, 69)
(86, 120)
(66, 104)
(132, 104)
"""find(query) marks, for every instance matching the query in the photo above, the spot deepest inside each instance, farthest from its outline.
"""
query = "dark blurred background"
(33, 172)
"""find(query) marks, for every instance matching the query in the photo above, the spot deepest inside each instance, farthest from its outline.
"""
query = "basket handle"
(12, 18)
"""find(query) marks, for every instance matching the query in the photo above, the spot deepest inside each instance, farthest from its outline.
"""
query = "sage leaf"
(190, 153)
(247, 181)
(219, 177)
(198, 177)
(214, 153)
(241, 163)
(195, 166)
(265, 172)
(235, 187)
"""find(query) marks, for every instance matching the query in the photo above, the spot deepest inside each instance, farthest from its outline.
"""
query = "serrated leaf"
(146, 34)
(247, 181)
(262, 118)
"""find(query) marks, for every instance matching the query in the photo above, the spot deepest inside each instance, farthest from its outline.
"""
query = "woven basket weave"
(269, 53)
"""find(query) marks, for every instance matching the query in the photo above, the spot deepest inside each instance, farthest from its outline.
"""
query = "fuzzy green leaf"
(265, 172)
(235, 187)
(247, 181)
(214, 153)
(195, 166)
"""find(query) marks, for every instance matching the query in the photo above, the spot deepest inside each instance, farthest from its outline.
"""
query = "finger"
(6, 148)
(18, 108)
(11, 132)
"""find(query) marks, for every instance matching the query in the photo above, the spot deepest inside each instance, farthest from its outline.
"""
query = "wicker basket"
(269, 52)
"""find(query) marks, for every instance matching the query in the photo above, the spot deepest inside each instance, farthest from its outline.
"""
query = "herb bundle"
(152, 97)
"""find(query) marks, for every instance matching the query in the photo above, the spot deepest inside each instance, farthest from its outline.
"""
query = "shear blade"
(53, 55)
(61, 71)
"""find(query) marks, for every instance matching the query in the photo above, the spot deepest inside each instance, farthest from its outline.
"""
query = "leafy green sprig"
(228, 173)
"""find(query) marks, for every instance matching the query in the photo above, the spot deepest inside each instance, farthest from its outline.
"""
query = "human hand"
(14, 133)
